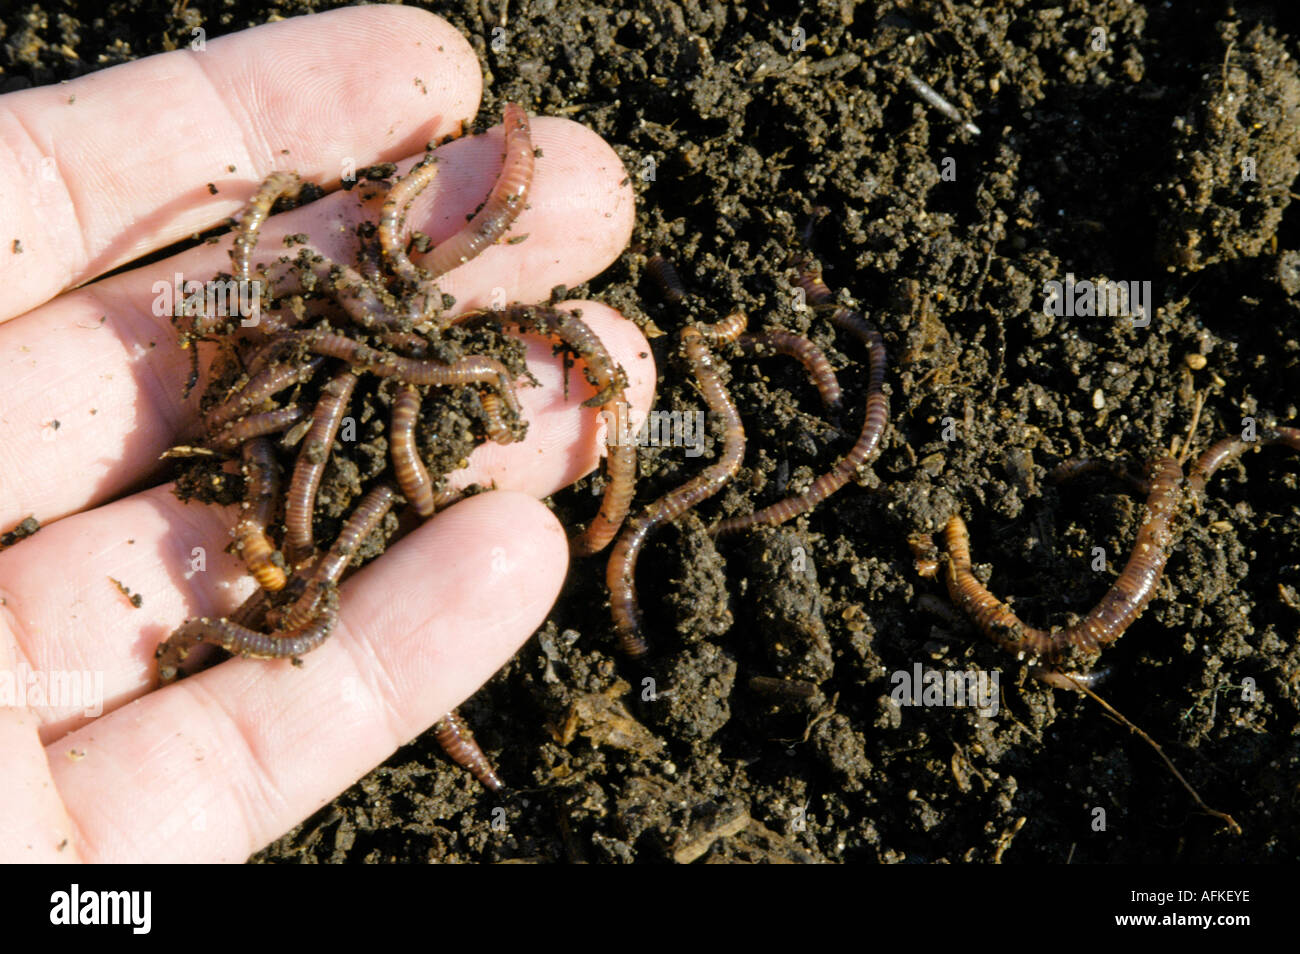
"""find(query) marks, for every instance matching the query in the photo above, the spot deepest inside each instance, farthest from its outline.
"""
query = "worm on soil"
(456, 739)
(300, 504)
(497, 429)
(610, 383)
(873, 423)
(1230, 448)
(1122, 604)
(262, 488)
(620, 574)
(412, 476)
(503, 205)
(242, 641)
(664, 272)
(806, 353)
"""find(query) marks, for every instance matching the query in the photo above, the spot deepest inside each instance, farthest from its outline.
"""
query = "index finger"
(119, 163)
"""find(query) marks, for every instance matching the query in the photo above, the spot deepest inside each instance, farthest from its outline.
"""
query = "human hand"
(116, 165)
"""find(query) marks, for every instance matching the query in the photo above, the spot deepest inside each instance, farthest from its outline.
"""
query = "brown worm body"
(257, 425)
(300, 504)
(262, 483)
(242, 641)
(254, 216)
(504, 202)
(620, 574)
(456, 739)
(1230, 448)
(497, 429)
(259, 389)
(1116, 611)
(329, 568)
(664, 272)
(610, 383)
(412, 476)
(806, 353)
(873, 424)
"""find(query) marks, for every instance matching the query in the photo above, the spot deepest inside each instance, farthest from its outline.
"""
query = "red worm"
(665, 275)
(873, 423)
(329, 568)
(806, 353)
(393, 217)
(300, 504)
(277, 184)
(262, 488)
(1230, 448)
(368, 305)
(497, 429)
(242, 641)
(610, 383)
(259, 389)
(412, 476)
(504, 202)
(1116, 611)
(257, 425)
(620, 574)
(456, 739)
(472, 369)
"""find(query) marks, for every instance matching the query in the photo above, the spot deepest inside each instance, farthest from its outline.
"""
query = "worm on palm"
(456, 739)
(497, 428)
(620, 573)
(874, 421)
(472, 369)
(262, 488)
(503, 205)
(259, 389)
(412, 476)
(254, 216)
(233, 435)
(367, 304)
(610, 383)
(329, 567)
(242, 641)
(1116, 611)
(300, 503)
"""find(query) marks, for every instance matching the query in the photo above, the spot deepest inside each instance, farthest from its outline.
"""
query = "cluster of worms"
(333, 341)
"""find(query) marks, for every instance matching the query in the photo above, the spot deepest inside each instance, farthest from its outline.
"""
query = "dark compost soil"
(1124, 162)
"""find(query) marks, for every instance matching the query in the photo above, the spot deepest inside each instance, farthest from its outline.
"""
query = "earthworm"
(497, 429)
(258, 390)
(472, 369)
(366, 304)
(329, 568)
(456, 739)
(503, 205)
(1230, 448)
(412, 476)
(1122, 604)
(262, 487)
(275, 185)
(620, 574)
(873, 422)
(393, 216)
(243, 641)
(665, 275)
(806, 353)
(257, 425)
(610, 382)
(300, 503)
